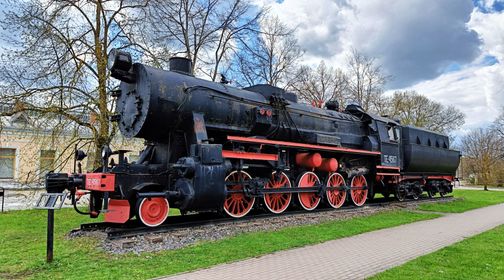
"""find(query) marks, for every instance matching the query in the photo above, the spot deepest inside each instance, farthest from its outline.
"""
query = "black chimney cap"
(181, 65)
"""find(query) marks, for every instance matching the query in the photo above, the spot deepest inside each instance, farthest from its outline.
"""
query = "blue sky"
(449, 50)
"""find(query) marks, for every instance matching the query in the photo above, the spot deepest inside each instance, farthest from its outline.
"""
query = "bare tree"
(203, 31)
(417, 110)
(54, 67)
(270, 56)
(366, 80)
(317, 86)
(484, 149)
(499, 124)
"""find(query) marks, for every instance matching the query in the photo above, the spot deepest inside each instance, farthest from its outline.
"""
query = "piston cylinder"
(328, 165)
(309, 160)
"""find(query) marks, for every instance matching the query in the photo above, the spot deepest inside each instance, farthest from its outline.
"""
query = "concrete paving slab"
(359, 256)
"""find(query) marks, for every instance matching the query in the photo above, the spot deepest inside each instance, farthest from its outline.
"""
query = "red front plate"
(118, 211)
(102, 182)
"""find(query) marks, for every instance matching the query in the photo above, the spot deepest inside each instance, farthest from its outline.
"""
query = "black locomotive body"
(213, 147)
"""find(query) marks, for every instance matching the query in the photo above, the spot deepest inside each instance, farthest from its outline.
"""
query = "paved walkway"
(359, 256)
(480, 188)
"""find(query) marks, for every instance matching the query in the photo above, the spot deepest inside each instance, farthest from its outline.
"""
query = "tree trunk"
(485, 187)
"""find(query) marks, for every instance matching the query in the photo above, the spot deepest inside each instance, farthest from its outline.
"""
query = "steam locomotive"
(213, 147)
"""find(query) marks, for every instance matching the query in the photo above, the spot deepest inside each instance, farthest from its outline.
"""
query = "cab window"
(393, 133)
(397, 134)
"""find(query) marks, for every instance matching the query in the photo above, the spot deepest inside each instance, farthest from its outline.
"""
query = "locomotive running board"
(248, 155)
(300, 145)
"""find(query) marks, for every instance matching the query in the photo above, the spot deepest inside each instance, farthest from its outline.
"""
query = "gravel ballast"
(182, 237)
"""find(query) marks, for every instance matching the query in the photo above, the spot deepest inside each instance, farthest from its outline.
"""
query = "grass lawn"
(22, 247)
(468, 199)
(478, 257)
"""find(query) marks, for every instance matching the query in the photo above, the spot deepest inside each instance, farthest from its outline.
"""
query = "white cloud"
(477, 89)
(490, 28)
(474, 90)
(416, 41)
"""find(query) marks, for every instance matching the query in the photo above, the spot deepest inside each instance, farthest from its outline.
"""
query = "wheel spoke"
(308, 201)
(358, 194)
(334, 199)
(277, 202)
(237, 204)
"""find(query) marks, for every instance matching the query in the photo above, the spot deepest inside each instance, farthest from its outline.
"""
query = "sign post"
(50, 202)
(2, 194)
(50, 235)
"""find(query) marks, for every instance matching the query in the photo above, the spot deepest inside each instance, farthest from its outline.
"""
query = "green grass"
(22, 247)
(466, 200)
(478, 257)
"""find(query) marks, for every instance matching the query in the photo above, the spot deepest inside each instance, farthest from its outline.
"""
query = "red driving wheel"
(278, 202)
(310, 200)
(335, 198)
(237, 204)
(358, 194)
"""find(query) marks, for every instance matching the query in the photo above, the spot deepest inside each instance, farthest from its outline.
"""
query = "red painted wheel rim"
(358, 195)
(237, 205)
(278, 202)
(335, 198)
(308, 201)
(153, 211)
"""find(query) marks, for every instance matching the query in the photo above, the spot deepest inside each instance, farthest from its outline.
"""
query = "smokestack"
(181, 65)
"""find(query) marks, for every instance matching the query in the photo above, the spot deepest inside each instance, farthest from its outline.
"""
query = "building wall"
(28, 145)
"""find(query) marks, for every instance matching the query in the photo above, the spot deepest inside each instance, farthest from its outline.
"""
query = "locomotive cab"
(390, 140)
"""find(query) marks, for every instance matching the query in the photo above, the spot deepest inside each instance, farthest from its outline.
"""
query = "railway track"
(133, 228)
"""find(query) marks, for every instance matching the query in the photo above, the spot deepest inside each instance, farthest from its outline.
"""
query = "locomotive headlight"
(119, 61)
(106, 152)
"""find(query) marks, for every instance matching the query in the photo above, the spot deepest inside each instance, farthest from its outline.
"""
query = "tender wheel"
(278, 202)
(308, 201)
(400, 193)
(415, 195)
(358, 194)
(238, 204)
(431, 193)
(152, 211)
(335, 198)
(386, 195)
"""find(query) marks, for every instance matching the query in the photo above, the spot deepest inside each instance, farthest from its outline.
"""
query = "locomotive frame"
(212, 147)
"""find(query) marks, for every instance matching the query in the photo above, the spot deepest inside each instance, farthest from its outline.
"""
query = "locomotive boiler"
(214, 147)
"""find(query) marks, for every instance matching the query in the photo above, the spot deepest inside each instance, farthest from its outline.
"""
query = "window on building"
(7, 163)
(46, 161)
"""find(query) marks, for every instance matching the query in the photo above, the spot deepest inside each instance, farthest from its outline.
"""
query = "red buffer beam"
(300, 145)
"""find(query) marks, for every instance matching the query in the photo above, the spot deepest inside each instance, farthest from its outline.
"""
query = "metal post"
(50, 235)
(2, 194)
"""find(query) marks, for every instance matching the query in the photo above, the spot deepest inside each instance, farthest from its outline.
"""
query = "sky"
(451, 51)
